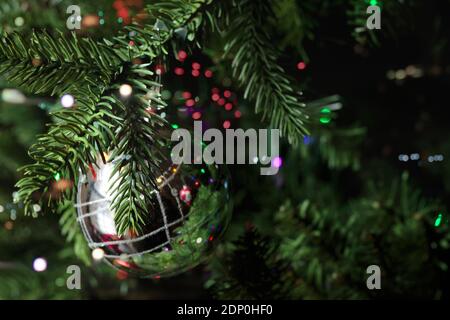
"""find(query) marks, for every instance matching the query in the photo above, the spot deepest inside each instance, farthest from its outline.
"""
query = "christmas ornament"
(192, 212)
(186, 195)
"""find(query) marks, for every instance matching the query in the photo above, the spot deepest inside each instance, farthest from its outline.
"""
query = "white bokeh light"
(67, 101)
(39, 264)
(98, 254)
(125, 90)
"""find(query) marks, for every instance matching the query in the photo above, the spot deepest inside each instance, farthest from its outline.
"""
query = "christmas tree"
(91, 93)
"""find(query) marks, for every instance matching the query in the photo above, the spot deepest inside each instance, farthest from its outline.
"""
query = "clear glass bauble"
(192, 212)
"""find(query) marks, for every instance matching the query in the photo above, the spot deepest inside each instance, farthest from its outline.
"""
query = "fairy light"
(19, 21)
(301, 65)
(208, 74)
(175, 126)
(159, 69)
(39, 264)
(182, 55)
(125, 90)
(186, 95)
(190, 103)
(325, 118)
(67, 101)
(199, 240)
(57, 176)
(196, 115)
(98, 254)
(277, 162)
(226, 124)
(179, 71)
(215, 97)
(438, 220)
(307, 140)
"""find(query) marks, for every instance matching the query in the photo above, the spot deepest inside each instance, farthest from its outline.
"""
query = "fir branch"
(69, 65)
(138, 154)
(256, 69)
(71, 231)
(260, 279)
(141, 147)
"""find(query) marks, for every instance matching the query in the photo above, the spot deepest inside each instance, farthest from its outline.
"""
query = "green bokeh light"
(438, 220)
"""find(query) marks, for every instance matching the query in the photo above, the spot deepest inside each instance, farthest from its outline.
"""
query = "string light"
(325, 119)
(215, 97)
(301, 65)
(226, 124)
(208, 74)
(39, 264)
(179, 71)
(19, 21)
(159, 69)
(182, 55)
(277, 162)
(98, 254)
(438, 220)
(67, 101)
(186, 95)
(196, 115)
(190, 103)
(307, 140)
(125, 90)
(57, 176)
